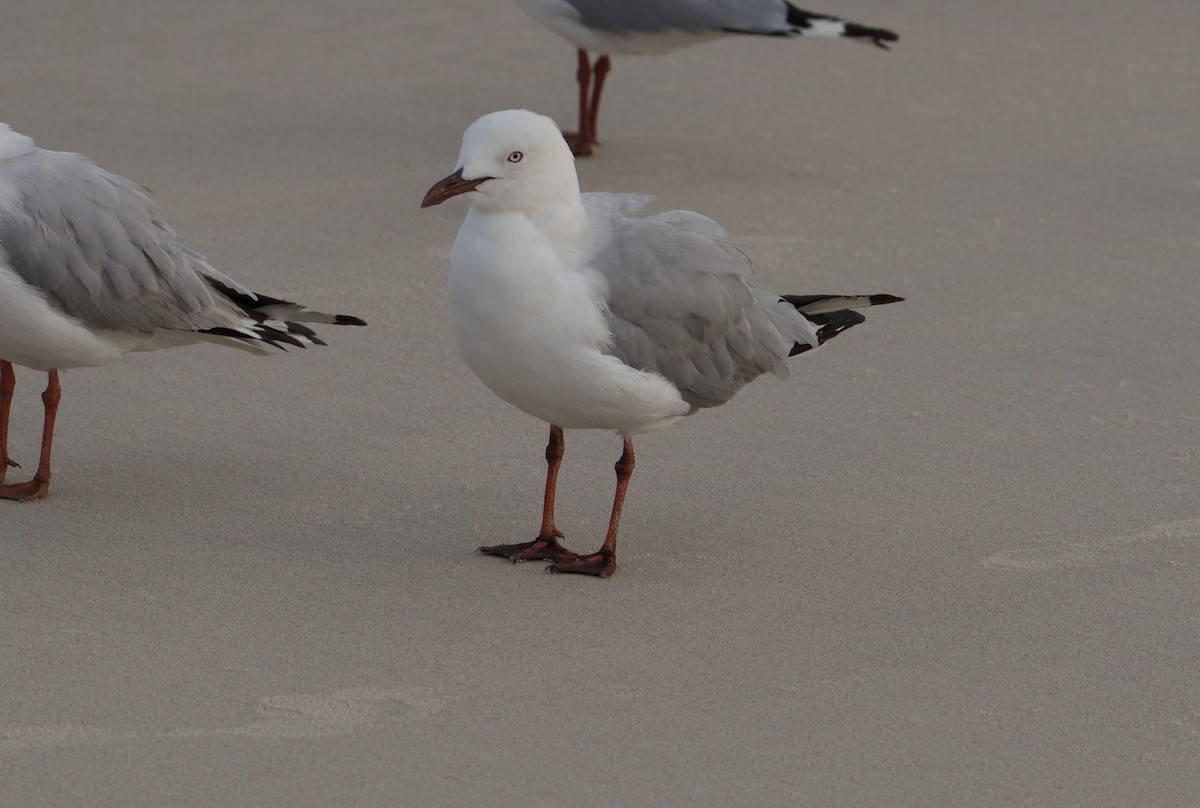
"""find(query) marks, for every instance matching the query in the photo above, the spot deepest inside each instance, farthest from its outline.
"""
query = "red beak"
(450, 186)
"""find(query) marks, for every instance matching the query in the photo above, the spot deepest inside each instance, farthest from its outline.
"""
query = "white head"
(515, 161)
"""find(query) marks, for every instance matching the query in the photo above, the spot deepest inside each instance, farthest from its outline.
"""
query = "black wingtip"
(801, 19)
(263, 338)
(346, 319)
(831, 323)
(304, 331)
(299, 328)
(878, 36)
(275, 336)
(221, 331)
(841, 302)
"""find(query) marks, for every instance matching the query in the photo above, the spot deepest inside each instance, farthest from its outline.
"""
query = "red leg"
(546, 546)
(603, 562)
(583, 74)
(603, 65)
(37, 487)
(8, 383)
(580, 141)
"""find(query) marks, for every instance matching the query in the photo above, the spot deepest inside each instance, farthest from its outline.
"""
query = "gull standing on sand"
(88, 272)
(640, 27)
(587, 313)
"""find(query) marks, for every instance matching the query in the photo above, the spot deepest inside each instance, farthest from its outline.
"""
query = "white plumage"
(585, 312)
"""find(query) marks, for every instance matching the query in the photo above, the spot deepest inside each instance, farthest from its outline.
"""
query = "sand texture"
(955, 561)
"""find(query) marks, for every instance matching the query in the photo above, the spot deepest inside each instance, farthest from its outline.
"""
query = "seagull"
(88, 272)
(585, 312)
(641, 27)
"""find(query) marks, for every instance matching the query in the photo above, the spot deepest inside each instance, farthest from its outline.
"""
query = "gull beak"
(450, 186)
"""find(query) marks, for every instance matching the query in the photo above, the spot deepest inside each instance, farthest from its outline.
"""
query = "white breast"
(530, 324)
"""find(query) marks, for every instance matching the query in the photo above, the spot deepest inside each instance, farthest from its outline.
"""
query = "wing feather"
(698, 16)
(93, 243)
(680, 301)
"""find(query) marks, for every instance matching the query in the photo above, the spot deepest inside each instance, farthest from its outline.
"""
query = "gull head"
(511, 161)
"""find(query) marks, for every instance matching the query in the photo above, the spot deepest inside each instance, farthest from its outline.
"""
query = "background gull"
(585, 312)
(660, 26)
(88, 272)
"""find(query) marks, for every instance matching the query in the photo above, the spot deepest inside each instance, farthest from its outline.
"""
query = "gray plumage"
(655, 17)
(88, 272)
(93, 245)
(660, 26)
(681, 303)
(652, 17)
(699, 18)
(93, 242)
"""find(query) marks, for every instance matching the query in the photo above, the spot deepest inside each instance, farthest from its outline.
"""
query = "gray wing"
(93, 243)
(680, 302)
(693, 16)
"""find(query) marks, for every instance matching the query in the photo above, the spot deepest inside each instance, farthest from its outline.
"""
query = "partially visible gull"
(88, 272)
(660, 26)
(585, 312)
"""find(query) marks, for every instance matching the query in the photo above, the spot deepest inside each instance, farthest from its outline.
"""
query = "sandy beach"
(954, 561)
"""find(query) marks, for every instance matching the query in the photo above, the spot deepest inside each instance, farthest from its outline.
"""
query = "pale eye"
(516, 157)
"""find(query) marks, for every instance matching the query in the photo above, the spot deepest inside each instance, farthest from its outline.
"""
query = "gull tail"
(278, 323)
(806, 23)
(833, 314)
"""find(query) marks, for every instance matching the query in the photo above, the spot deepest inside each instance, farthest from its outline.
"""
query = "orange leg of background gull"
(546, 546)
(603, 562)
(37, 487)
(591, 83)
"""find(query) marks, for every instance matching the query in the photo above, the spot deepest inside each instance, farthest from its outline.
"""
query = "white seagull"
(88, 272)
(639, 27)
(587, 313)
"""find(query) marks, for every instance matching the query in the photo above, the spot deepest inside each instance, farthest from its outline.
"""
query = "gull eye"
(516, 157)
